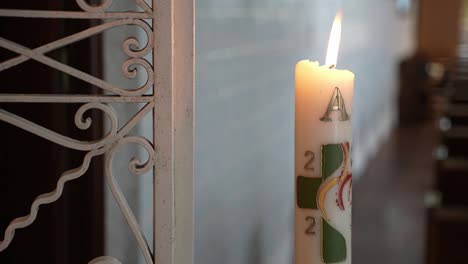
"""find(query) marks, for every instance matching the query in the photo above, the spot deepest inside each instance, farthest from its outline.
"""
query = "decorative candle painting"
(323, 177)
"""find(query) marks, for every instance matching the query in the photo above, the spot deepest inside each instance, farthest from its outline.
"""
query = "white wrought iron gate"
(167, 95)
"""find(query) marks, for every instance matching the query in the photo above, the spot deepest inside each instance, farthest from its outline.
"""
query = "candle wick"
(332, 66)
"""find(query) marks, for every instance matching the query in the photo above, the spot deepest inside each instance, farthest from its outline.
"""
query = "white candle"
(324, 103)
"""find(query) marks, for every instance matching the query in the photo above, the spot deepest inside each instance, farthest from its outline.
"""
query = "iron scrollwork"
(117, 134)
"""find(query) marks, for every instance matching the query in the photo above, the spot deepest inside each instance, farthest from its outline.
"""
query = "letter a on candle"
(336, 104)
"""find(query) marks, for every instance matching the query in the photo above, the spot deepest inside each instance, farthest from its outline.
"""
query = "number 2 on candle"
(311, 156)
(310, 229)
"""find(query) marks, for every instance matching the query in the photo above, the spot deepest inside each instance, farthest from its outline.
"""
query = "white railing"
(167, 94)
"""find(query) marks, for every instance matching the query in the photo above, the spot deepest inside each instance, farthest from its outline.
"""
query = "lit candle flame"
(334, 42)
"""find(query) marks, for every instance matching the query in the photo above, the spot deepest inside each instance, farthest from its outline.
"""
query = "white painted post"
(183, 76)
(173, 130)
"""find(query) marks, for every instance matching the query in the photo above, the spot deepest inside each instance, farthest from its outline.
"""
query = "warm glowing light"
(334, 42)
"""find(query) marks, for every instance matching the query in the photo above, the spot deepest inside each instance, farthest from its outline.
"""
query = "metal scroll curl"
(132, 47)
(105, 4)
(130, 70)
(81, 122)
(137, 167)
(111, 142)
(105, 260)
(95, 8)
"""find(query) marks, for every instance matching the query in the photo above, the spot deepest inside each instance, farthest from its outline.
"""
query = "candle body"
(323, 179)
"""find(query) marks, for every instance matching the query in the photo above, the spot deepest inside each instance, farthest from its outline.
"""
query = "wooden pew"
(447, 218)
(447, 235)
(452, 181)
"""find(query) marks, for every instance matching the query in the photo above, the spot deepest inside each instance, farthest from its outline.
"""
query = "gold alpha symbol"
(336, 104)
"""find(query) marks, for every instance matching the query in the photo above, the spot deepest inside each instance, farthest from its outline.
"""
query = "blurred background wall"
(246, 53)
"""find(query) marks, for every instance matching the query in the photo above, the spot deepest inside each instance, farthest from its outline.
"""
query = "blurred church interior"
(410, 133)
